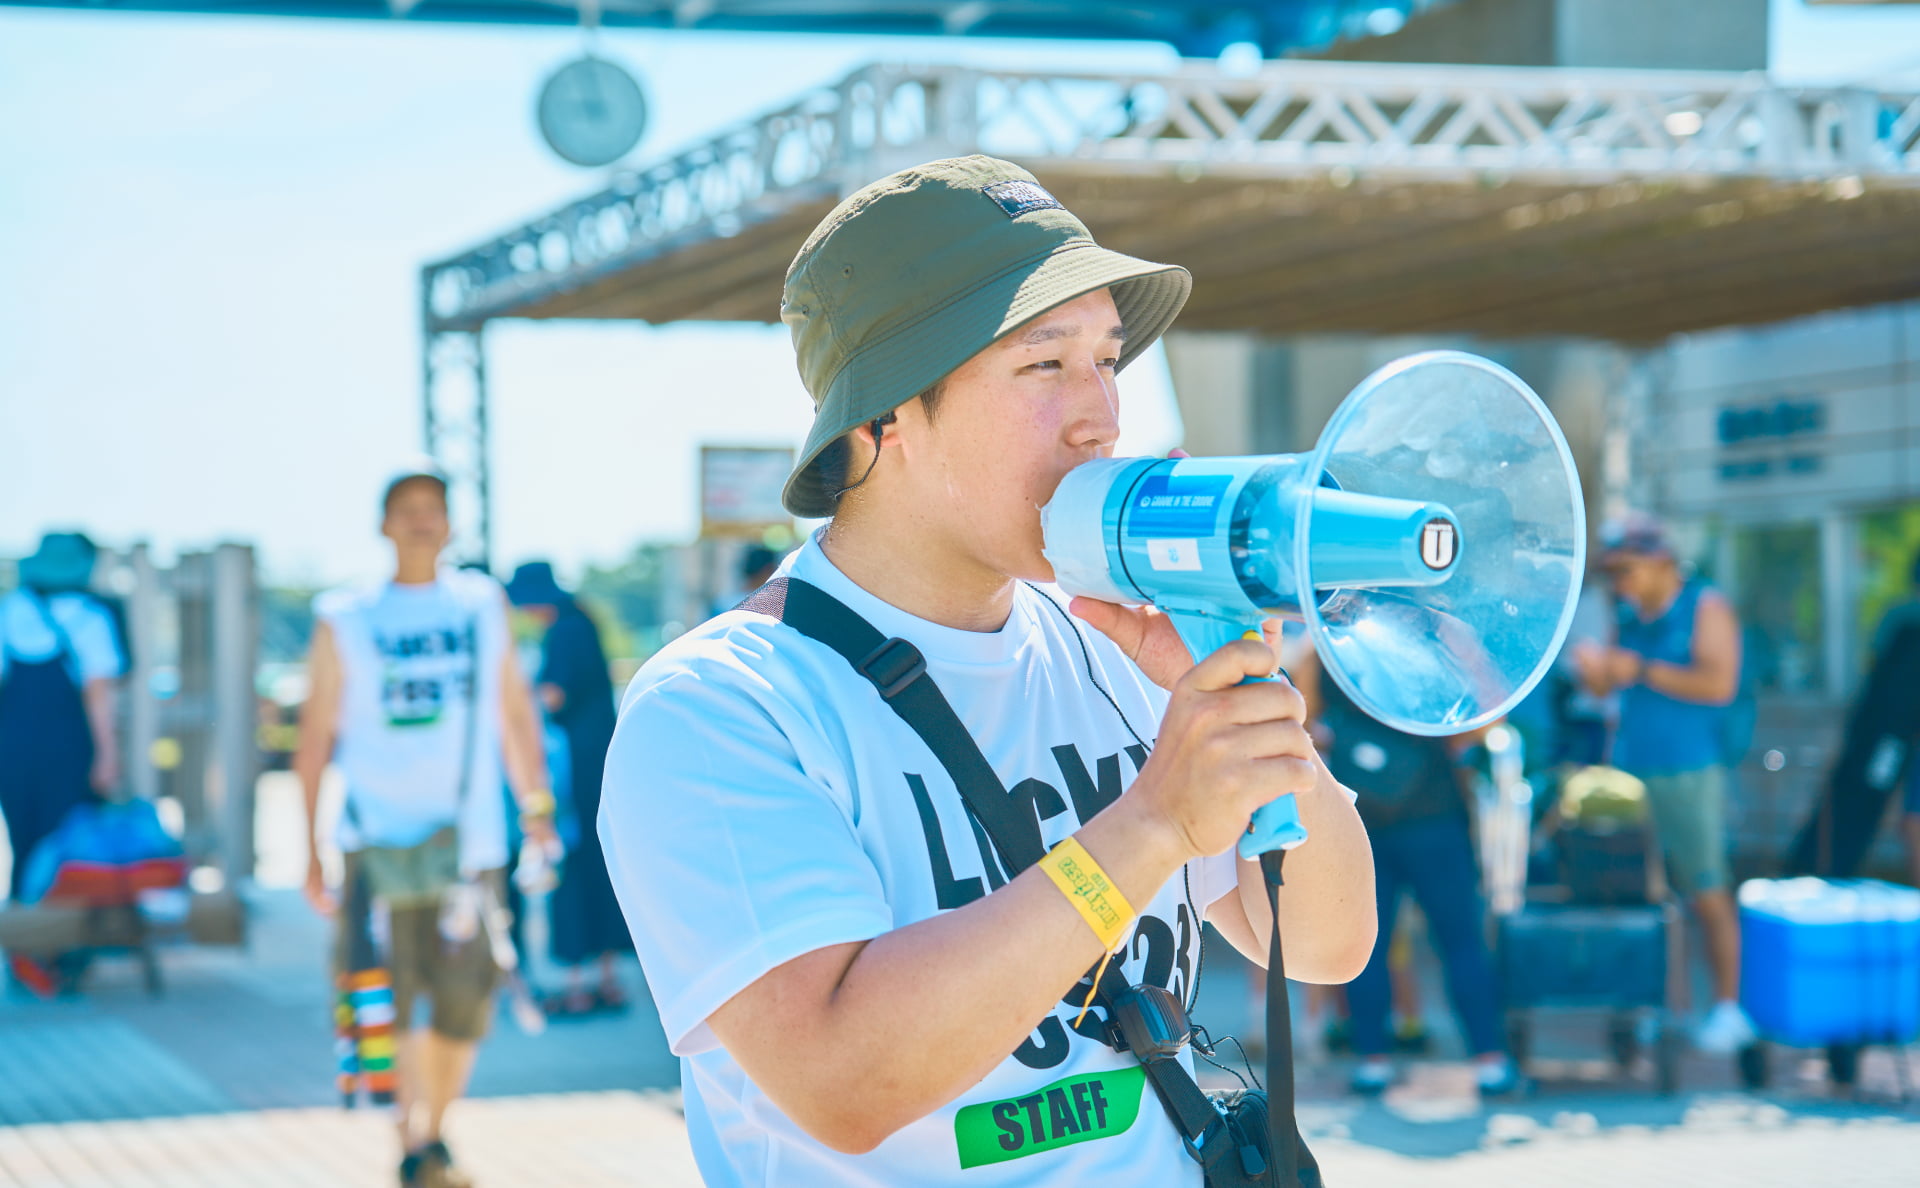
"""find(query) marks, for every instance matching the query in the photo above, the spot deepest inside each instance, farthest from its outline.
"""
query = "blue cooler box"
(1830, 961)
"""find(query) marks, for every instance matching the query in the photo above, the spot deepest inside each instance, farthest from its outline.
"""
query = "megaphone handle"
(1276, 824)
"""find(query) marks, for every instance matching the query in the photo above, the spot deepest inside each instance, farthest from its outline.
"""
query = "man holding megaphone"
(901, 836)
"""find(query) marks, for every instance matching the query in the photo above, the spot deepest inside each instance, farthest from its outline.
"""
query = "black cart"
(1617, 960)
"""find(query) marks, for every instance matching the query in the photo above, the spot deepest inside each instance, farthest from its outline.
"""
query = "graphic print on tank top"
(422, 672)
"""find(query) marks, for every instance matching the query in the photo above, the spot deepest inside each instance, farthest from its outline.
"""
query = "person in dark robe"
(576, 690)
(60, 663)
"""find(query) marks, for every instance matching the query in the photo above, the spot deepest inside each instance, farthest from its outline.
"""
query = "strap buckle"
(893, 666)
(1213, 1145)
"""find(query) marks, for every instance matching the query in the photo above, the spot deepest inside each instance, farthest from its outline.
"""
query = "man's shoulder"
(79, 607)
(345, 600)
(473, 584)
(745, 652)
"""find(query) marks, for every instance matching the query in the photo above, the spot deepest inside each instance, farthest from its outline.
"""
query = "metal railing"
(1411, 123)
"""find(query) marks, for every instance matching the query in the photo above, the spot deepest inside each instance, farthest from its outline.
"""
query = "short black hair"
(394, 488)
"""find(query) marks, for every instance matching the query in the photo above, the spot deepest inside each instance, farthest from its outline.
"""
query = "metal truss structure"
(1309, 196)
(455, 432)
(1477, 125)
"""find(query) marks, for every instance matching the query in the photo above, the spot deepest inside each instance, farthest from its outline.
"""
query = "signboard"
(740, 489)
(1784, 437)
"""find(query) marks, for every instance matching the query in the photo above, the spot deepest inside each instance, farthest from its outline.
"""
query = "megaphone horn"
(1433, 544)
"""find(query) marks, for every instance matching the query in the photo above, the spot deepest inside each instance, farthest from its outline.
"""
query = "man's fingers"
(1232, 664)
(1110, 620)
(1265, 701)
(1125, 625)
(1286, 739)
(1285, 776)
(1274, 632)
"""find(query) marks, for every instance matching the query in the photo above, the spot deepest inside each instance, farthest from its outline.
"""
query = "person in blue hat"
(60, 659)
(576, 691)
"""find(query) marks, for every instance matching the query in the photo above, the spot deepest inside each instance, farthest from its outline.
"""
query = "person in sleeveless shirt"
(1676, 667)
(416, 698)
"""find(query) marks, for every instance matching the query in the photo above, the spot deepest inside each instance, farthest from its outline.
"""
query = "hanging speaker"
(1432, 544)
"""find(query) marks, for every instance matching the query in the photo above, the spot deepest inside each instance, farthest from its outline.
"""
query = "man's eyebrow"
(1040, 334)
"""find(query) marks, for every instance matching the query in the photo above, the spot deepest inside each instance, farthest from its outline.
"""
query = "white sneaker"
(1725, 1030)
(1372, 1077)
(1496, 1078)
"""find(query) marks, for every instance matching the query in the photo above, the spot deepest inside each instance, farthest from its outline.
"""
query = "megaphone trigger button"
(1276, 670)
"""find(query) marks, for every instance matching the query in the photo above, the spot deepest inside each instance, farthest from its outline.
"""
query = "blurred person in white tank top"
(417, 697)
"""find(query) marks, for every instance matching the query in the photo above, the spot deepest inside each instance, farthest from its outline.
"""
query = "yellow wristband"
(1089, 890)
(538, 804)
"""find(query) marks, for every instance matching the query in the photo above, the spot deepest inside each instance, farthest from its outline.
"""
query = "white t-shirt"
(408, 654)
(93, 641)
(761, 802)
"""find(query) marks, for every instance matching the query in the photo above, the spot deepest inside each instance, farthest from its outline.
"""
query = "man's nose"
(1096, 408)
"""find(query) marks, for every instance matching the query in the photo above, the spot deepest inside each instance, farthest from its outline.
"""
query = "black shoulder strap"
(897, 669)
(899, 673)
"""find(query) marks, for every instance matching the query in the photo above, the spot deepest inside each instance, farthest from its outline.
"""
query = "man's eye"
(1045, 365)
(1110, 363)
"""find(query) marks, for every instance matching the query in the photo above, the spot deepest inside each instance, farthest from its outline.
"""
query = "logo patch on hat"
(1019, 197)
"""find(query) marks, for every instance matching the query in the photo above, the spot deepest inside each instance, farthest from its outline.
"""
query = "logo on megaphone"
(1432, 544)
(1438, 541)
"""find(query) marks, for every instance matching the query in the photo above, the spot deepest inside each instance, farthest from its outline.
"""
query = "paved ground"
(250, 1030)
(226, 1081)
(580, 1140)
(603, 1140)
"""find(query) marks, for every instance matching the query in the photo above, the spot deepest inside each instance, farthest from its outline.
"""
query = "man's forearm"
(924, 1012)
(1704, 686)
(99, 700)
(309, 766)
(526, 759)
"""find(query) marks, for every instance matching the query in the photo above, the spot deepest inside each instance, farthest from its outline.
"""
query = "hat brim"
(888, 373)
(534, 592)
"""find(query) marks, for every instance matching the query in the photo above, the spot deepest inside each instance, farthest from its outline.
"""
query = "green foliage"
(286, 623)
(627, 600)
(1889, 541)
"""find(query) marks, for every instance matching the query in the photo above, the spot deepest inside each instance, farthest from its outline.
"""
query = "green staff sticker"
(1071, 1110)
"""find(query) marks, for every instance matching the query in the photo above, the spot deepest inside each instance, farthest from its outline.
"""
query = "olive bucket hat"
(918, 272)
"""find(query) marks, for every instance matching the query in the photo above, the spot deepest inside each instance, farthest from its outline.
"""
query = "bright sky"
(210, 238)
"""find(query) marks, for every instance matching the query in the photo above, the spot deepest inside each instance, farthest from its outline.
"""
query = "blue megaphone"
(1432, 543)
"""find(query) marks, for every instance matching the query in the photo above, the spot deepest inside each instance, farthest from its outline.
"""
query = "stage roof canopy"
(1309, 197)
